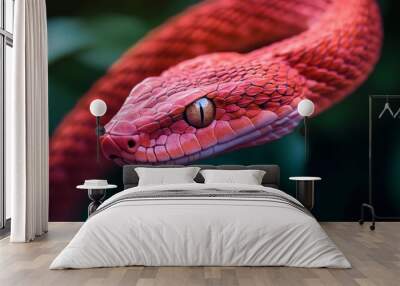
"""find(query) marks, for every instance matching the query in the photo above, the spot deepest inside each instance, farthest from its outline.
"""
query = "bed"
(198, 224)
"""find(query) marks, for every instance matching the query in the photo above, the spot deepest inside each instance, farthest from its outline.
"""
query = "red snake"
(223, 75)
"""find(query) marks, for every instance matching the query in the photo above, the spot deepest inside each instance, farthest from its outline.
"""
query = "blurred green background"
(86, 37)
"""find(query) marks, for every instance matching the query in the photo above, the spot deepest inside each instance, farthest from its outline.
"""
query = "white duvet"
(200, 231)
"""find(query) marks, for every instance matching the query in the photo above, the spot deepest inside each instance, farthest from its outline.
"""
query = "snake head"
(170, 119)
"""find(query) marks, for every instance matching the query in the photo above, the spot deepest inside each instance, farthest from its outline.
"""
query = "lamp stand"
(99, 132)
(306, 153)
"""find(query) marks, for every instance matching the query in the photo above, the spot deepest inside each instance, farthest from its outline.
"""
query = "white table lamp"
(306, 108)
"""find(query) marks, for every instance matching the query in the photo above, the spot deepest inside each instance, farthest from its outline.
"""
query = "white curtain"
(27, 124)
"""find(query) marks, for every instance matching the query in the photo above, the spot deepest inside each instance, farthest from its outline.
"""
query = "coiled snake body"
(256, 59)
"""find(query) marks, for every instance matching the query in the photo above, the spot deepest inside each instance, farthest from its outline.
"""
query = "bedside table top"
(304, 178)
(87, 187)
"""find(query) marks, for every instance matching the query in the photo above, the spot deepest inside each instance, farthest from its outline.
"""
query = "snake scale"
(222, 75)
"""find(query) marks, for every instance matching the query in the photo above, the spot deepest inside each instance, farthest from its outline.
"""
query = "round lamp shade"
(98, 107)
(305, 107)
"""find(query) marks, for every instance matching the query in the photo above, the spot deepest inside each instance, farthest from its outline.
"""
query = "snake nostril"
(112, 157)
(131, 143)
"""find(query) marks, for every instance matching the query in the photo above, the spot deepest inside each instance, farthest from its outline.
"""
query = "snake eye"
(200, 113)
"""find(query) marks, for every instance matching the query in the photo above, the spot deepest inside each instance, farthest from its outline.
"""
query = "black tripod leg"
(361, 221)
(372, 226)
(373, 217)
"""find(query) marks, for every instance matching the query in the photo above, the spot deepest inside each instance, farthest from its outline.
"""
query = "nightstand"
(305, 190)
(96, 193)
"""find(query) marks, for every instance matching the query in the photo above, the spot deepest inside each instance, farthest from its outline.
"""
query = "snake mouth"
(111, 150)
(259, 134)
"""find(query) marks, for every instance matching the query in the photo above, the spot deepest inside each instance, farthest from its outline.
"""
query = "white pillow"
(248, 177)
(165, 176)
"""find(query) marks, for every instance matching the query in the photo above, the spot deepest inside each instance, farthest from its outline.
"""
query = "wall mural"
(219, 82)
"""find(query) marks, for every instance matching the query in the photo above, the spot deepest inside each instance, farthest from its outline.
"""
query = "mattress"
(201, 225)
